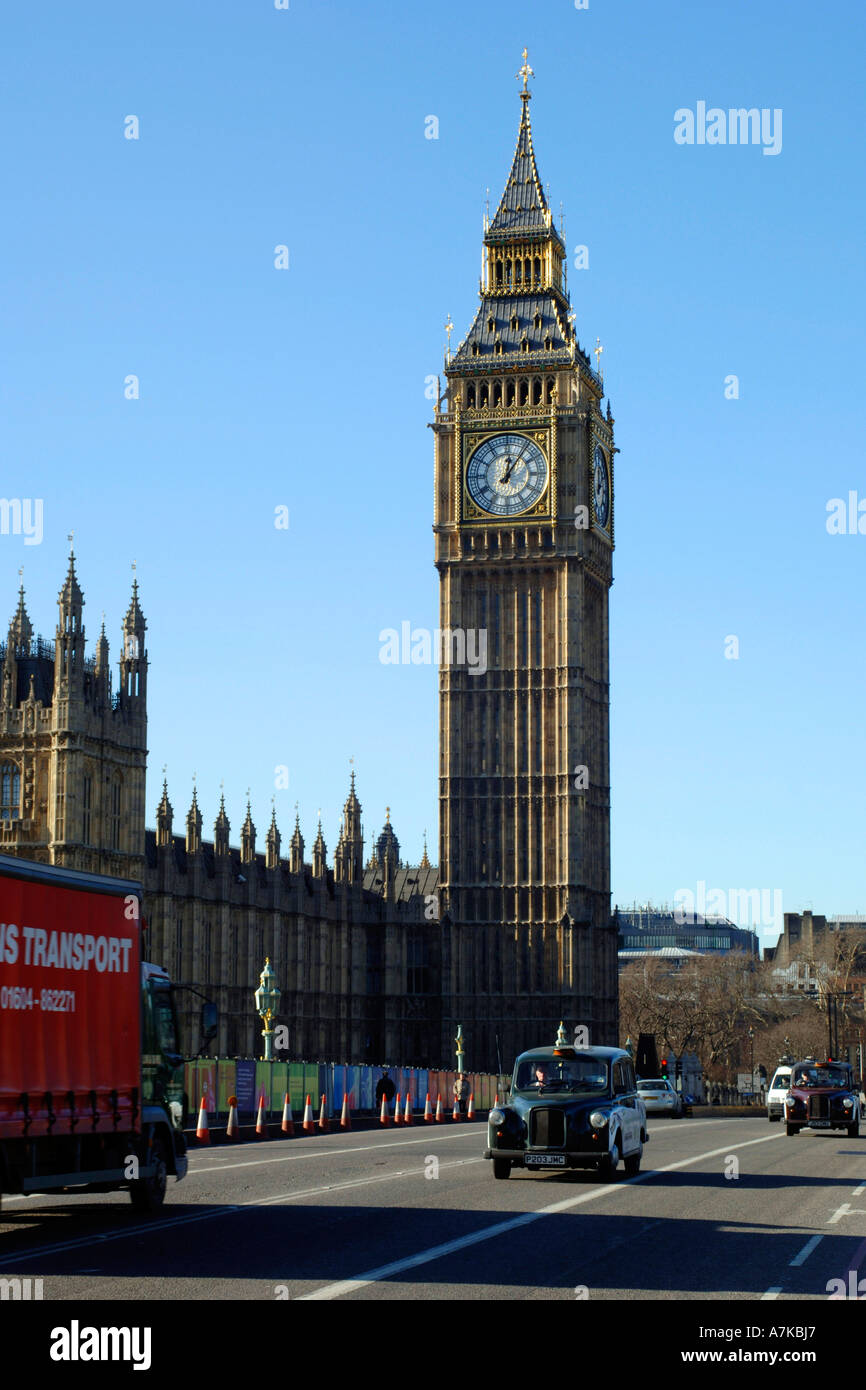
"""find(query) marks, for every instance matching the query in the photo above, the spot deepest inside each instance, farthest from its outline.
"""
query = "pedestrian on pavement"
(461, 1094)
(384, 1088)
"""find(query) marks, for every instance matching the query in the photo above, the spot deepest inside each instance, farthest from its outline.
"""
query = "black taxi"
(569, 1107)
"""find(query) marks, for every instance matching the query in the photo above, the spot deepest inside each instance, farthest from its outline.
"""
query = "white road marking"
(436, 1252)
(806, 1251)
(845, 1210)
(434, 1132)
(771, 1293)
(858, 1191)
(211, 1212)
(197, 1169)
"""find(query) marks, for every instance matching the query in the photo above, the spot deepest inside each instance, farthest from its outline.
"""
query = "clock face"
(506, 474)
(600, 487)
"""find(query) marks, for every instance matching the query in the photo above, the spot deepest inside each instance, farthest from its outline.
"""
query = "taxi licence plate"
(819, 1124)
(544, 1160)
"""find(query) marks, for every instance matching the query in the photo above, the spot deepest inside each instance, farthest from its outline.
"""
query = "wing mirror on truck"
(209, 1022)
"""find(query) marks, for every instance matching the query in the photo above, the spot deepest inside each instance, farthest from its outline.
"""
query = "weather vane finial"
(525, 72)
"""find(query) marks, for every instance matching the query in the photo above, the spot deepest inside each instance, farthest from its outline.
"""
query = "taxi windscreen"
(582, 1075)
(821, 1075)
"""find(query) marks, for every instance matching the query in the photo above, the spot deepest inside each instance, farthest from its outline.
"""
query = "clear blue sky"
(306, 388)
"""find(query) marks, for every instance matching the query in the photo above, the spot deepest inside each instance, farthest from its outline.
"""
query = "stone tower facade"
(73, 751)
(523, 544)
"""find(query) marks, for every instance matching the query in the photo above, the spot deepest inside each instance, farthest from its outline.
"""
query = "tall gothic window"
(87, 810)
(10, 792)
(114, 813)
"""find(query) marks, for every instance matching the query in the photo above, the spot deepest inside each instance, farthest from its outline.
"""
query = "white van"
(779, 1087)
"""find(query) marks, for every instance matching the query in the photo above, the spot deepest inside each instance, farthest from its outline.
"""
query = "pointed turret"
(425, 862)
(388, 842)
(320, 854)
(523, 320)
(296, 848)
(164, 817)
(20, 629)
(221, 830)
(523, 206)
(133, 660)
(193, 826)
(69, 645)
(349, 856)
(102, 669)
(248, 838)
(273, 842)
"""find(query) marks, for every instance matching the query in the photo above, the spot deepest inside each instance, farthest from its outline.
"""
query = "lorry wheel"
(792, 1129)
(147, 1194)
(854, 1130)
(774, 1119)
(502, 1167)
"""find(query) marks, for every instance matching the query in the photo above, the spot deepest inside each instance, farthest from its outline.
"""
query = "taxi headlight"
(496, 1117)
(598, 1119)
(848, 1102)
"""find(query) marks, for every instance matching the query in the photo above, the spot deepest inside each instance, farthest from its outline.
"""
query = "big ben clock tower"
(524, 532)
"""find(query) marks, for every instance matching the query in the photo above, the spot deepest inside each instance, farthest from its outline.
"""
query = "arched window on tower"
(484, 397)
(536, 391)
(518, 272)
(87, 808)
(497, 393)
(470, 393)
(114, 811)
(499, 275)
(508, 272)
(509, 393)
(524, 390)
(551, 388)
(538, 270)
(10, 792)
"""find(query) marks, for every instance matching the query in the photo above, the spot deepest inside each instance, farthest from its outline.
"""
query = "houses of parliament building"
(377, 960)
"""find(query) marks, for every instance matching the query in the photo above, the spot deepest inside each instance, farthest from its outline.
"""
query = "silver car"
(660, 1098)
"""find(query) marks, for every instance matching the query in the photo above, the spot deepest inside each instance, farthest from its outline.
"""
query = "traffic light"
(665, 1068)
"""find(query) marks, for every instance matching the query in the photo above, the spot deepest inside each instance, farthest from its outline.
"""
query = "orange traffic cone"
(455, 1113)
(495, 1100)
(345, 1118)
(428, 1113)
(261, 1120)
(201, 1130)
(308, 1116)
(288, 1117)
(397, 1119)
(384, 1117)
(232, 1128)
(470, 1109)
(324, 1122)
(439, 1115)
(407, 1112)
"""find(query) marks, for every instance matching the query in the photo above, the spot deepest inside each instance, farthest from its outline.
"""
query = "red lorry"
(90, 1071)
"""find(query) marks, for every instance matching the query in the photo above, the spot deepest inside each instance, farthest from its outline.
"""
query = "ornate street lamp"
(460, 1049)
(267, 998)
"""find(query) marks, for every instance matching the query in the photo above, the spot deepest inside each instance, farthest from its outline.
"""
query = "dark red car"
(822, 1095)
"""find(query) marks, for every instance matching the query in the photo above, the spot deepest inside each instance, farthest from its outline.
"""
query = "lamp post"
(267, 998)
(751, 1065)
(460, 1049)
